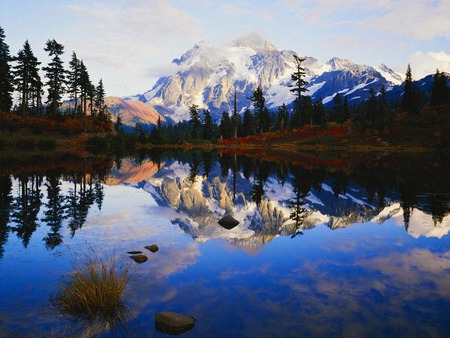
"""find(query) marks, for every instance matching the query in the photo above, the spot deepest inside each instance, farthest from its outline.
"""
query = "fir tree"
(319, 114)
(283, 117)
(26, 76)
(196, 124)
(408, 96)
(248, 125)
(261, 115)
(6, 77)
(440, 94)
(208, 125)
(299, 88)
(56, 77)
(74, 81)
(226, 127)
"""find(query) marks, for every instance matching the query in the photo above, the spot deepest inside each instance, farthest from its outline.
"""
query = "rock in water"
(228, 222)
(152, 248)
(139, 258)
(173, 323)
(134, 252)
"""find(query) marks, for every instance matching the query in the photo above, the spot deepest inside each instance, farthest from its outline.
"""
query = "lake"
(328, 244)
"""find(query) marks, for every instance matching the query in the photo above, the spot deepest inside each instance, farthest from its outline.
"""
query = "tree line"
(376, 113)
(21, 73)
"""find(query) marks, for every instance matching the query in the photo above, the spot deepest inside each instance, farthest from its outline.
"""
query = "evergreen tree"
(248, 123)
(196, 124)
(56, 77)
(338, 107)
(283, 117)
(319, 114)
(103, 114)
(440, 94)
(261, 115)
(26, 76)
(85, 88)
(74, 81)
(299, 88)
(226, 127)
(208, 125)
(6, 77)
(411, 95)
(118, 126)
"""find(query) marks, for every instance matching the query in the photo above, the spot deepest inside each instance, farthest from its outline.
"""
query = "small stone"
(152, 248)
(139, 258)
(173, 323)
(228, 222)
(135, 252)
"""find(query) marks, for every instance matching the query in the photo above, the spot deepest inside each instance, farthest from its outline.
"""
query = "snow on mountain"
(208, 76)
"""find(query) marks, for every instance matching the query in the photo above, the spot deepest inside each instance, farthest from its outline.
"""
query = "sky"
(129, 44)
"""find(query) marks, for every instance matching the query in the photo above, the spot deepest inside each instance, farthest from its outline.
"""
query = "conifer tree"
(74, 81)
(226, 127)
(248, 125)
(408, 96)
(26, 76)
(208, 125)
(319, 114)
(56, 77)
(299, 88)
(195, 121)
(6, 77)
(261, 115)
(440, 94)
(283, 117)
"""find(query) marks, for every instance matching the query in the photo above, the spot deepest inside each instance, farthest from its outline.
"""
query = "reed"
(94, 290)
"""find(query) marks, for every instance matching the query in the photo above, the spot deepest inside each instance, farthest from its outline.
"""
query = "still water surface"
(347, 246)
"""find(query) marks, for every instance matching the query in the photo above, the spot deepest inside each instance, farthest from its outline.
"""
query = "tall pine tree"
(56, 77)
(26, 77)
(440, 94)
(298, 89)
(6, 77)
(74, 81)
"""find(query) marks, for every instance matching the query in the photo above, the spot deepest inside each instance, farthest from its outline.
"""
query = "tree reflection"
(5, 209)
(26, 207)
(55, 211)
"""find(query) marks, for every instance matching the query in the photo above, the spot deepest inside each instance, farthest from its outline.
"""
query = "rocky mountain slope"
(208, 76)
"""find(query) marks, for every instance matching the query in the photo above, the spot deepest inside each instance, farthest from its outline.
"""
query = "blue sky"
(130, 43)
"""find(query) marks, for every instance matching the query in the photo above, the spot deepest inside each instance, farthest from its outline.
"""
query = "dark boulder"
(173, 323)
(139, 258)
(228, 222)
(134, 252)
(152, 248)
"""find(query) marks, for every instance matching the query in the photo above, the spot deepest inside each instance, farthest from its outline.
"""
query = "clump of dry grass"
(94, 291)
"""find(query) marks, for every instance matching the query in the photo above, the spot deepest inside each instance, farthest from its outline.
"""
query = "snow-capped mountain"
(208, 76)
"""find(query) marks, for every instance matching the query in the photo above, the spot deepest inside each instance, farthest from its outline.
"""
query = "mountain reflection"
(269, 198)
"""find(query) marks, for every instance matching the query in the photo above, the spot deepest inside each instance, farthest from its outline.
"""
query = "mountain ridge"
(208, 76)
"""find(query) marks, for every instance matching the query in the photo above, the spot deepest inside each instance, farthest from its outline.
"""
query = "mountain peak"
(254, 41)
(339, 64)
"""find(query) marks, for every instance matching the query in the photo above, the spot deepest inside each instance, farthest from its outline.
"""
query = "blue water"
(367, 278)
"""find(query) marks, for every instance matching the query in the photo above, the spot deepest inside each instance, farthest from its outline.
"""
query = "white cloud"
(426, 63)
(421, 20)
(126, 37)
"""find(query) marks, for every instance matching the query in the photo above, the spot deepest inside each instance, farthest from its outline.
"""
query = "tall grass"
(94, 291)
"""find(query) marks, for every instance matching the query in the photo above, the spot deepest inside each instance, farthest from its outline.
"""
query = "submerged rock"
(139, 258)
(173, 323)
(152, 248)
(135, 252)
(228, 222)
